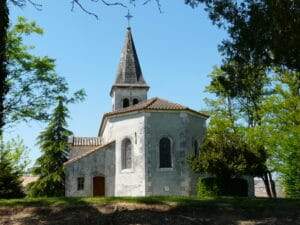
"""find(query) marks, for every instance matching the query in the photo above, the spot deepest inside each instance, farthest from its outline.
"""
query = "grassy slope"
(241, 203)
(176, 210)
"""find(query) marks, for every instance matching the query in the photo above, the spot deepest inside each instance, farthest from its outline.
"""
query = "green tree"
(4, 49)
(54, 146)
(226, 152)
(261, 32)
(280, 130)
(13, 162)
(248, 86)
(33, 83)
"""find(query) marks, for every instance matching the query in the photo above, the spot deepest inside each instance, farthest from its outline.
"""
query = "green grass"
(229, 203)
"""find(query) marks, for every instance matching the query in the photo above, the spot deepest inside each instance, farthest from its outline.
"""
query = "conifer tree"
(54, 147)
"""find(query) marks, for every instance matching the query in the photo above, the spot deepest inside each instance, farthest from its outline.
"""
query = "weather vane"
(128, 17)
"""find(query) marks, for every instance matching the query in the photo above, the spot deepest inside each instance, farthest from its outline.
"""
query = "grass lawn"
(150, 211)
(242, 203)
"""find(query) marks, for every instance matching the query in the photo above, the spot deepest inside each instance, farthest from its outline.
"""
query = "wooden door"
(99, 186)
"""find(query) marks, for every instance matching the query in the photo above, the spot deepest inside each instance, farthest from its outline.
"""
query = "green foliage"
(280, 129)
(17, 153)
(54, 146)
(226, 154)
(262, 32)
(214, 187)
(33, 82)
(13, 162)
(226, 151)
(208, 188)
(261, 123)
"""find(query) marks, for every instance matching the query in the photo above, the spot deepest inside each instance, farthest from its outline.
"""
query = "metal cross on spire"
(128, 17)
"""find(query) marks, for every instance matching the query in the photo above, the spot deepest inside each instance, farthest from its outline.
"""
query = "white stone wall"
(99, 163)
(182, 128)
(129, 182)
(119, 94)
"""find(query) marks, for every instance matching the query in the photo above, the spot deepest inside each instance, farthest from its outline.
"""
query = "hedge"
(213, 187)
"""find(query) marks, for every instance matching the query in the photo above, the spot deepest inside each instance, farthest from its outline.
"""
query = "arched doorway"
(98, 186)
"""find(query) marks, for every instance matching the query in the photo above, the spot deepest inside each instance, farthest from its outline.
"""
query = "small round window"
(135, 101)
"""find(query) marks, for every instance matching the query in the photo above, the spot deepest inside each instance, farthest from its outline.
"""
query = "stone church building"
(142, 144)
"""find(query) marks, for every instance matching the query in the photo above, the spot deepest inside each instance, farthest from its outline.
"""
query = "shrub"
(213, 187)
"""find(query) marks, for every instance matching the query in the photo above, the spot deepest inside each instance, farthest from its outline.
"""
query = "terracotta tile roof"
(85, 141)
(154, 104)
(88, 153)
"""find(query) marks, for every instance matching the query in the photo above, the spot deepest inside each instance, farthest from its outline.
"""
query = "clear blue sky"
(177, 50)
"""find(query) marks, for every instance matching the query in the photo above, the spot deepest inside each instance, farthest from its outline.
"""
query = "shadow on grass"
(158, 211)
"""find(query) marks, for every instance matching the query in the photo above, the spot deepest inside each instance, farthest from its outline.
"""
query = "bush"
(213, 187)
(208, 187)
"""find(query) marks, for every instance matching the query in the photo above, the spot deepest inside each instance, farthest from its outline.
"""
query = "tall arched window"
(126, 154)
(135, 101)
(125, 102)
(165, 155)
(196, 148)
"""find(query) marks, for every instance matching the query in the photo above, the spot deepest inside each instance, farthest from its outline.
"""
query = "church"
(142, 145)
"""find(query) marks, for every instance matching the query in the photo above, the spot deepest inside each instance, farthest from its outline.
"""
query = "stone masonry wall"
(120, 93)
(76, 151)
(130, 182)
(99, 163)
(182, 128)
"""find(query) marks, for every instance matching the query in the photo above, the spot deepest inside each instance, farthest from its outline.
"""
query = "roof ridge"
(151, 102)
(88, 153)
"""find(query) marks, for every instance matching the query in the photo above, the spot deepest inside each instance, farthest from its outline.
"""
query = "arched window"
(126, 154)
(196, 148)
(165, 157)
(125, 102)
(135, 101)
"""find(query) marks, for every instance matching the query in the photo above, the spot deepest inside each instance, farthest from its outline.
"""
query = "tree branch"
(76, 2)
(159, 6)
(22, 3)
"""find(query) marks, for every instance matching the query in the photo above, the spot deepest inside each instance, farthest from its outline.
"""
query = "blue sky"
(177, 50)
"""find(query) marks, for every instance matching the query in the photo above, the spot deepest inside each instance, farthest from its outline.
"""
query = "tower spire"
(129, 69)
(130, 88)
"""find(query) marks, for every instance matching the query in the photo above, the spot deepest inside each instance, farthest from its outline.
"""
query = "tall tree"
(280, 129)
(32, 82)
(235, 113)
(53, 142)
(4, 25)
(261, 32)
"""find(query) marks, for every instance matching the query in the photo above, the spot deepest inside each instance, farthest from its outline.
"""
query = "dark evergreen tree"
(53, 142)
(10, 176)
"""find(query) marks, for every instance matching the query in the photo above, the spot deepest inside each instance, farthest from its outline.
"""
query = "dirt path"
(140, 214)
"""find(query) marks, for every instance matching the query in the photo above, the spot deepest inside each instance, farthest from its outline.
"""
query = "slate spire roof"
(129, 71)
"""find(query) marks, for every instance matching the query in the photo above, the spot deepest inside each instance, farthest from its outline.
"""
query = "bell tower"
(130, 88)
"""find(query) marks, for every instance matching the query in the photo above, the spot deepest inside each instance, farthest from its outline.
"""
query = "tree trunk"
(4, 23)
(272, 183)
(267, 185)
